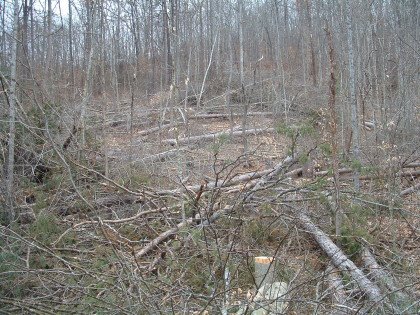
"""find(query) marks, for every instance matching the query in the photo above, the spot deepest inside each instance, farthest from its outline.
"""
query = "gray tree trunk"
(10, 213)
(353, 100)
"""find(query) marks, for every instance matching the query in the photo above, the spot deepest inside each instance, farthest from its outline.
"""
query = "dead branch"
(265, 179)
(220, 183)
(410, 190)
(138, 215)
(161, 238)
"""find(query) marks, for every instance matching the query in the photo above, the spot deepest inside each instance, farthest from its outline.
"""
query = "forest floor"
(176, 224)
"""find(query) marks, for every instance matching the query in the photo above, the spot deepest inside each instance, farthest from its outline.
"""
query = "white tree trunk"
(340, 260)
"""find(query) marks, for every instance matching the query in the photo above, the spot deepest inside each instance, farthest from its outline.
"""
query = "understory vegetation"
(150, 150)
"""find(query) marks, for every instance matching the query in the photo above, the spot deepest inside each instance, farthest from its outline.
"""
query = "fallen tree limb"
(156, 129)
(138, 215)
(340, 260)
(165, 235)
(343, 171)
(265, 179)
(162, 237)
(220, 183)
(410, 190)
(412, 174)
(411, 165)
(338, 294)
(160, 157)
(213, 136)
(380, 275)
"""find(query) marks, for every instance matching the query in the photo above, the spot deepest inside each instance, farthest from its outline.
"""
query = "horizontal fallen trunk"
(214, 136)
(156, 129)
(227, 115)
(165, 235)
(411, 165)
(342, 171)
(410, 190)
(412, 174)
(340, 260)
(160, 157)
(219, 184)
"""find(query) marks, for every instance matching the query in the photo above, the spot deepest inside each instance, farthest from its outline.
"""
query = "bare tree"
(353, 100)
(9, 215)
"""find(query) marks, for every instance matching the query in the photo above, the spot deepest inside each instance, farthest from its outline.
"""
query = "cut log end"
(264, 260)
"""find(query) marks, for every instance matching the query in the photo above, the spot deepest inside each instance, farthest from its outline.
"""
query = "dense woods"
(151, 149)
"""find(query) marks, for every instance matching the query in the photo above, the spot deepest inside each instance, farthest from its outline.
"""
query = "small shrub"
(256, 232)
(326, 149)
(45, 228)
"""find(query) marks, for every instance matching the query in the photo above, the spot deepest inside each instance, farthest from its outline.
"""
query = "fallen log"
(340, 260)
(411, 165)
(213, 136)
(219, 184)
(380, 275)
(410, 190)
(336, 290)
(227, 115)
(160, 157)
(165, 235)
(156, 129)
(265, 179)
(412, 174)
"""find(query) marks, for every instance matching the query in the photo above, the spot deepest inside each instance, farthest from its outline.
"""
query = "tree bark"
(333, 123)
(10, 212)
(353, 100)
(340, 260)
(214, 136)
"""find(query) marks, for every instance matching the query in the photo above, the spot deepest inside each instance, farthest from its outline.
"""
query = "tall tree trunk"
(32, 32)
(353, 100)
(3, 34)
(242, 77)
(312, 71)
(10, 212)
(25, 46)
(49, 45)
(72, 79)
(333, 134)
(167, 33)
